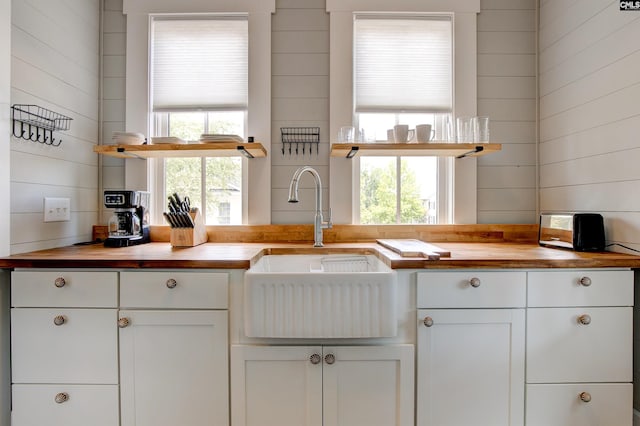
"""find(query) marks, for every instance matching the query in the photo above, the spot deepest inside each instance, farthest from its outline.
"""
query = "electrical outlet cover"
(57, 209)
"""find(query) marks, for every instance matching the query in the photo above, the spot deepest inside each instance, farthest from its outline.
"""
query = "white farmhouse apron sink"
(320, 296)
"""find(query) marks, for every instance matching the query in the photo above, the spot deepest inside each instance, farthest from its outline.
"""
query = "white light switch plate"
(57, 209)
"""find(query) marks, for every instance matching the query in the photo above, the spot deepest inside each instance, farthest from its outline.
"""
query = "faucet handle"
(329, 223)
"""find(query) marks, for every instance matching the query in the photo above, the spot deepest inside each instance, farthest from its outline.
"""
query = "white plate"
(220, 138)
(170, 139)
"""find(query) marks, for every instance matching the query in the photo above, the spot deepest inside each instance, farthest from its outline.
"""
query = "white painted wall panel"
(55, 64)
(507, 93)
(5, 165)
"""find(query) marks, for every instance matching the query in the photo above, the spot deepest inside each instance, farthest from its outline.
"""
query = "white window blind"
(200, 63)
(403, 63)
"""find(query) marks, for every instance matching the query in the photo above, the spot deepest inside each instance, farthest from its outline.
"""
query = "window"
(199, 84)
(403, 74)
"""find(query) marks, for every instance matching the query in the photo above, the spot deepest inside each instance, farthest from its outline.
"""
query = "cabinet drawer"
(580, 288)
(471, 289)
(95, 405)
(83, 349)
(197, 290)
(562, 349)
(563, 405)
(64, 289)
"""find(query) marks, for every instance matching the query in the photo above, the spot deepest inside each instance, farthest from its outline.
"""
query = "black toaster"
(575, 231)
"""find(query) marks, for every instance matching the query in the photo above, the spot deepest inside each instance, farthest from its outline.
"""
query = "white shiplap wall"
(114, 35)
(590, 113)
(507, 94)
(55, 64)
(5, 87)
(300, 97)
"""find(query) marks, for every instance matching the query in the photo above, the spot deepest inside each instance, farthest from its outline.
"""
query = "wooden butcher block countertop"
(242, 255)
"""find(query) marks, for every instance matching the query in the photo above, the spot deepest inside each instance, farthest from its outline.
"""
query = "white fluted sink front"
(320, 296)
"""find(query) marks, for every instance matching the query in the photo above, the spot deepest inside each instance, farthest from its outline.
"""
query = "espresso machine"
(129, 224)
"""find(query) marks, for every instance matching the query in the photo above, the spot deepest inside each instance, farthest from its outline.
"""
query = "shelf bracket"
(353, 152)
(122, 150)
(244, 152)
(479, 148)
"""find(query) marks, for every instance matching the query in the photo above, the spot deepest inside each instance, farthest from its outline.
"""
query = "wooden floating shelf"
(216, 149)
(434, 149)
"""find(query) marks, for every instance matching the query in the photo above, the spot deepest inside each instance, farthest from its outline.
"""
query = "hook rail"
(37, 124)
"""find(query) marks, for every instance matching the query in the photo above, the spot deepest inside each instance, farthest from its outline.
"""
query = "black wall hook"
(42, 120)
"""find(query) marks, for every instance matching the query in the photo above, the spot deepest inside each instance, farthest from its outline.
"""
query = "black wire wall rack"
(37, 124)
(300, 137)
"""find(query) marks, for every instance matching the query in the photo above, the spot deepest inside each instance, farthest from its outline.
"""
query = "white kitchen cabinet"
(470, 367)
(470, 360)
(64, 348)
(174, 368)
(322, 386)
(579, 348)
(174, 364)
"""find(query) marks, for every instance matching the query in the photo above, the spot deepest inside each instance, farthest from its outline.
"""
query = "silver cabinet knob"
(171, 283)
(124, 322)
(584, 319)
(59, 320)
(60, 282)
(428, 321)
(585, 397)
(329, 358)
(474, 282)
(315, 359)
(61, 397)
(585, 281)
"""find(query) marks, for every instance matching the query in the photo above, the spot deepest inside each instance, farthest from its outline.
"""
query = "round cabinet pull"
(585, 281)
(62, 397)
(428, 321)
(60, 282)
(585, 397)
(474, 282)
(330, 359)
(315, 359)
(59, 320)
(124, 322)
(171, 283)
(584, 319)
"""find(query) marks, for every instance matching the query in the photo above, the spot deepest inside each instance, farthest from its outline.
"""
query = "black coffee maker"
(129, 224)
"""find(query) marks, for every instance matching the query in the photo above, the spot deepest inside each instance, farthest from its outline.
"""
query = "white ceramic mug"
(390, 136)
(424, 133)
(402, 134)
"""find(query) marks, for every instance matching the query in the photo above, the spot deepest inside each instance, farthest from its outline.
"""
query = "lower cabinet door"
(316, 386)
(592, 404)
(174, 368)
(276, 385)
(470, 367)
(64, 405)
(368, 385)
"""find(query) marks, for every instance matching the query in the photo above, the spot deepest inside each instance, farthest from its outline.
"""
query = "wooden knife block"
(189, 237)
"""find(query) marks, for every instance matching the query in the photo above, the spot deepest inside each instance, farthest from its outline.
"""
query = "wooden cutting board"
(414, 248)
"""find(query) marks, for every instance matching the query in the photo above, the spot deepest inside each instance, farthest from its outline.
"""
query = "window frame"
(140, 174)
(460, 181)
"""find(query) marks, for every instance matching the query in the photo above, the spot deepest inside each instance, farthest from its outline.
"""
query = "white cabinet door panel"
(564, 288)
(455, 289)
(276, 386)
(471, 367)
(74, 289)
(369, 385)
(174, 368)
(561, 405)
(561, 349)
(83, 349)
(174, 290)
(95, 405)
